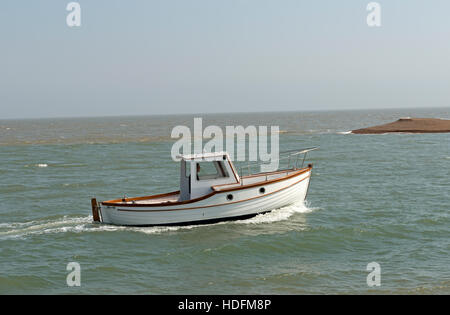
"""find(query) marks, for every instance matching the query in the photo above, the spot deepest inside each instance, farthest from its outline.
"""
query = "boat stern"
(95, 210)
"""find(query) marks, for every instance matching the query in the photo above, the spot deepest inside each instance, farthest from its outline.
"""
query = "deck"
(245, 181)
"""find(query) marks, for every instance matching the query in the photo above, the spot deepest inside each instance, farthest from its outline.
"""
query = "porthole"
(262, 190)
(229, 197)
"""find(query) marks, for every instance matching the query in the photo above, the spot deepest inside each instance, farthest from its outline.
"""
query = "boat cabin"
(198, 172)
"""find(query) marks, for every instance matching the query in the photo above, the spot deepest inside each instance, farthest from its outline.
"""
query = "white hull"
(246, 202)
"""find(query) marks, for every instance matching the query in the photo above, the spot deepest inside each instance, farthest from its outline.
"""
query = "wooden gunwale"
(120, 202)
(216, 205)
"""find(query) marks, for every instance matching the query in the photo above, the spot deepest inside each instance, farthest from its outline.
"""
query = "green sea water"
(373, 198)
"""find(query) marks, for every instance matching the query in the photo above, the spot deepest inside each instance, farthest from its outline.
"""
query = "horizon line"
(220, 113)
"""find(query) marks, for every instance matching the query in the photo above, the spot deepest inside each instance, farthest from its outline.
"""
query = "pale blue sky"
(193, 56)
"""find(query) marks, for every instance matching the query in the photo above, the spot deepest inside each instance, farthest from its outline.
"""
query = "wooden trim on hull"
(236, 177)
(95, 212)
(119, 202)
(268, 173)
(217, 205)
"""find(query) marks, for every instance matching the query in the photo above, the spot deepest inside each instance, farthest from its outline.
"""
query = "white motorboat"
(211, 190)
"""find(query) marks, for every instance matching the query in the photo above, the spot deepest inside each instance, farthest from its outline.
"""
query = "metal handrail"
(289, 153)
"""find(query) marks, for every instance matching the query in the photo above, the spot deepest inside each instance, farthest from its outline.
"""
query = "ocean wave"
(85, 224)
(40, 165)
(37, 227)
(18, 230)
(280, 214)
(82, 141)
(344, 132)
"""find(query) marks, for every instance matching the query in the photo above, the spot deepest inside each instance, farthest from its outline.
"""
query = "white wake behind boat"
(211, 190)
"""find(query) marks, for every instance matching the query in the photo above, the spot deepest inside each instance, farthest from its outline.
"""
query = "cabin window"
(211, 170)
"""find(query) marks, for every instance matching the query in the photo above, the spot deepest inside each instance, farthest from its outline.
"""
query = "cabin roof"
(202, 156)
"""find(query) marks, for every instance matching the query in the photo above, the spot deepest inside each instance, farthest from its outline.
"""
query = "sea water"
(372, 198)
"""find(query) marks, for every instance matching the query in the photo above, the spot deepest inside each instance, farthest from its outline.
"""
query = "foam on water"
(84, 224)
(23, 229)
(74, 225)
(280, 214)
(344, 132)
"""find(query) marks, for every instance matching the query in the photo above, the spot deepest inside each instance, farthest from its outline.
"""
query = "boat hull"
(244, 203)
